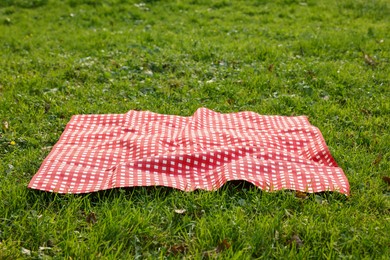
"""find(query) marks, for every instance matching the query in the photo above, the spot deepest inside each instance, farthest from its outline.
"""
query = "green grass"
(285, 57)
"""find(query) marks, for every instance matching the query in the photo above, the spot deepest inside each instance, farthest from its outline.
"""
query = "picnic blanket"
(202, 151)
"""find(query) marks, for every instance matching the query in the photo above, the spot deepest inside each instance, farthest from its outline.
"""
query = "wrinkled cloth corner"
(202, 151)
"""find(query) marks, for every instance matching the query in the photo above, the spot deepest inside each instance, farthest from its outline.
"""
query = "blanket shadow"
(236, 186)
(230, 188)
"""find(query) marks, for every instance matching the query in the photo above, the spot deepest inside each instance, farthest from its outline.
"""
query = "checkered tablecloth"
(203, 151)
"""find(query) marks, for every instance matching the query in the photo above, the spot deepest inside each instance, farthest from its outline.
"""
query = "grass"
(285, 57)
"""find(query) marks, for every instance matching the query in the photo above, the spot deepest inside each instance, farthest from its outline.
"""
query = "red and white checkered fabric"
(98, 152)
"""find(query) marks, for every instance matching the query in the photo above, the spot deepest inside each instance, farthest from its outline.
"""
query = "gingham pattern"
(204, 151)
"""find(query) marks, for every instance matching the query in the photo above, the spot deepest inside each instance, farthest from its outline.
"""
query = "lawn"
(326, 59)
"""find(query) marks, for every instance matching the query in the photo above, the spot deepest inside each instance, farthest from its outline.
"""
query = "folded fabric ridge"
(204, 151)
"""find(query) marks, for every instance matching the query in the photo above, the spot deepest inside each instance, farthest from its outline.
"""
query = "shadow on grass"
(23, 3)
(237, 189)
